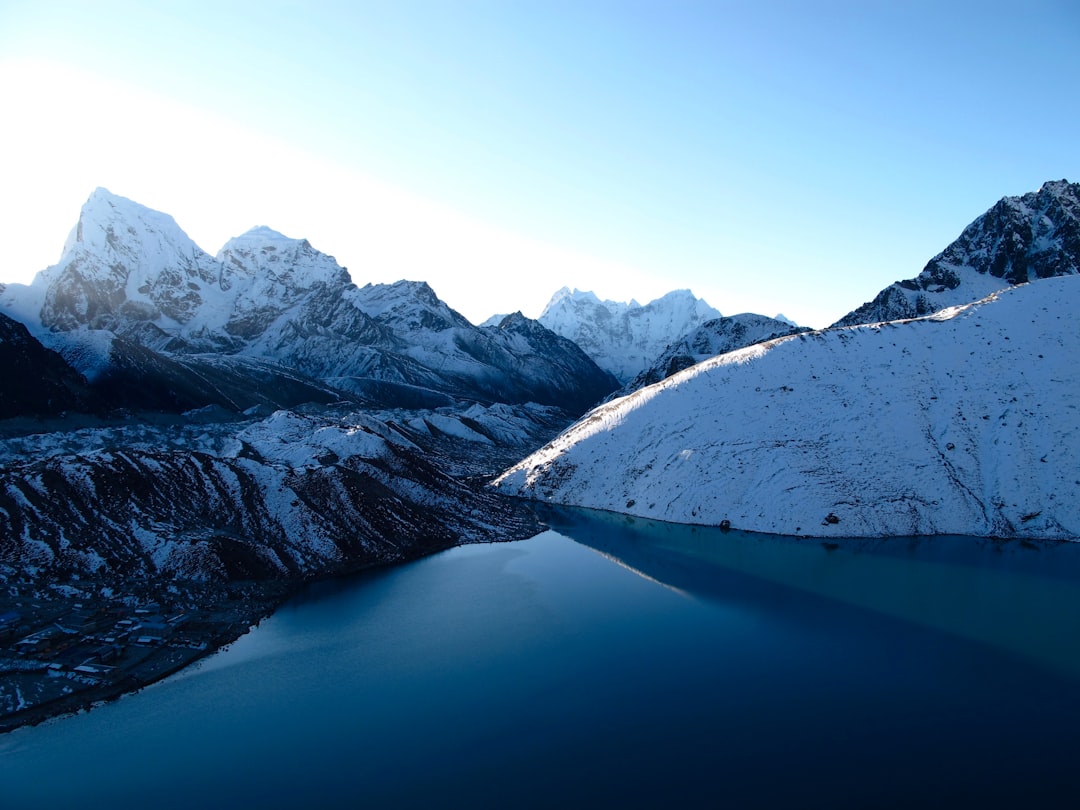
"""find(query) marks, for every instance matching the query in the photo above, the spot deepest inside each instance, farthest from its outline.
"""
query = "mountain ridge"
(901, 428)
(132, 271)
(1024, 238)
(623, 338)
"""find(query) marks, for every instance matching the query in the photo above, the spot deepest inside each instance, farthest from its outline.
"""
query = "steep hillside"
(36, 381)
(718, 336)
(964, 422)
(1020, 239)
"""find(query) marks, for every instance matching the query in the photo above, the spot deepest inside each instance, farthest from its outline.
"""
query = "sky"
(773, 157)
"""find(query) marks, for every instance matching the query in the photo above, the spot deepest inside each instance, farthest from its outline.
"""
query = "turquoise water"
(611, 662)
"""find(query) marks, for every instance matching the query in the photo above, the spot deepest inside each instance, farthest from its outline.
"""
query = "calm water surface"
(612, 662)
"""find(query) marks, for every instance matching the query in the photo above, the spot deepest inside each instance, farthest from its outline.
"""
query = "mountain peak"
(623, 338)
(264, 232)
(111, 224)
(566, 297)
(1057, 187)
(264, 238)
(1020, 239)
(287, 264)
(410, 305)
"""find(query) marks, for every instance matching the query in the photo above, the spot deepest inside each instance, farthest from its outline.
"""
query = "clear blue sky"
(789, 157)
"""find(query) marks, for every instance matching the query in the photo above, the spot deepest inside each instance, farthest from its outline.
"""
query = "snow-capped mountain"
(962, 422)
(624, 338)
(1019, 239)
(131, 273)
(718, 336)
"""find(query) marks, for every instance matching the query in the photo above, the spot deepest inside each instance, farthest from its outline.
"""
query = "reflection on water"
(1017, 595)
(677, 666)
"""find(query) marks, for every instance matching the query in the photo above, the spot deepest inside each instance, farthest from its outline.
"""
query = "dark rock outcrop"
(1020, 239)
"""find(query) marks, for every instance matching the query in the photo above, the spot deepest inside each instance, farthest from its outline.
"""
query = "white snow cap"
(962, 422)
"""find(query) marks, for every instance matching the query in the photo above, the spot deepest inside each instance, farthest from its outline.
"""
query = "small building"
(97, 672)
(105, 654)
(46, 643)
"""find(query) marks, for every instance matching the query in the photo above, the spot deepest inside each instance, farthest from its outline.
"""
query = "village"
(61, 652)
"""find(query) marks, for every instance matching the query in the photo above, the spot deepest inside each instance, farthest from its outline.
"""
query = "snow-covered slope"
(124, 267)
(1019, 239)
(284, 498)
(964, 422)
(624, 338)
(718, 336)
(132, 272)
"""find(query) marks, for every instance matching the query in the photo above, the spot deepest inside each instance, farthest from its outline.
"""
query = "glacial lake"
(614, 662)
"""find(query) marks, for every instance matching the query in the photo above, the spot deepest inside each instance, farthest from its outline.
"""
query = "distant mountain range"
(134, 303)
(624, 339)
(959, 421)
(254, 415)
(170, 418)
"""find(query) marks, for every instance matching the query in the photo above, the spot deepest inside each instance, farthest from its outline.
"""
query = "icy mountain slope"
(552, 368)
(624, 338)
(132, 272)
(964, 422)
(718, 336)
(1019, 239)
(123, 267)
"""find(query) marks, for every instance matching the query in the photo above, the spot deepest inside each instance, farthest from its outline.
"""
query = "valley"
(188, 440)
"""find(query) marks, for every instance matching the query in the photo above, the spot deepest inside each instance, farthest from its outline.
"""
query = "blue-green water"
(612, 662)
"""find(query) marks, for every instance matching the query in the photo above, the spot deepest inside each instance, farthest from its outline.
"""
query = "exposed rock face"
(624, 338)
(131, 272)
(554, 367)
(123, 265)
(36, 381)
(1020, 239)
(718, 336)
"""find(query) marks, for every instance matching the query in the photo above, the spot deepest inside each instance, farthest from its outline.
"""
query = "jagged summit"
(514, 319)
(266, 254)
(574, 297)
(123, 263)
(623, 338)
(132, 284)
(263, 237)
(412, 304)
(109, 222)
(1020, 239)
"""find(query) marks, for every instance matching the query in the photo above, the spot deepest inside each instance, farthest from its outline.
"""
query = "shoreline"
(216, 615)
(65, 691)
